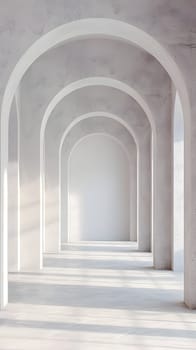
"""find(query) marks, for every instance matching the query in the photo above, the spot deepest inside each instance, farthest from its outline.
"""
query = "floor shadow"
(88, 294)
(104, 328)
(83, 263)
(100, 248)
(93, 296)
(99, 276)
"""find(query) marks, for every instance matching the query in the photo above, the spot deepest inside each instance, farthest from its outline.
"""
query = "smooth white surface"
(97, 297)
(13, 193)
(178, 206)
(91, 125)
(178, 186)
(98, 191)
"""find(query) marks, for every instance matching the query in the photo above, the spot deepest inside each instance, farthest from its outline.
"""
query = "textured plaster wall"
(170, 22)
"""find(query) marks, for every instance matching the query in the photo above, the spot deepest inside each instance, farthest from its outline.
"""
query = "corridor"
(97, 296)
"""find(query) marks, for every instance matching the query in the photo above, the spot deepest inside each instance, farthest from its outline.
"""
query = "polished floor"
(97, 296)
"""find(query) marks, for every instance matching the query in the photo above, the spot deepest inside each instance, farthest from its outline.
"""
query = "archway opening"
(98, 191)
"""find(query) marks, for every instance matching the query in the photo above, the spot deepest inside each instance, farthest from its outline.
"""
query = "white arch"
(85, 28)
(67, 90)
(79, 84)
(95, 81)
(94, 115)
(102, 27)
(87, 82)
(125, 151)
(104, 133)
(70, 127)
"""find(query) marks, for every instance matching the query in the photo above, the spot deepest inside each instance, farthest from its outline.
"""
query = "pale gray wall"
(82, 129)
(98, 191)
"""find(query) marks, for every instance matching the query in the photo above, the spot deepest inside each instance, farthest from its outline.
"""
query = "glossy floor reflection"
(97, 296)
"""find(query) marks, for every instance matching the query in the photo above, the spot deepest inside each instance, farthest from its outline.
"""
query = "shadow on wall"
(51, 208)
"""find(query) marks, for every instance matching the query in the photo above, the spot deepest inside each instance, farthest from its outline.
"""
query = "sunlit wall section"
(178, 186)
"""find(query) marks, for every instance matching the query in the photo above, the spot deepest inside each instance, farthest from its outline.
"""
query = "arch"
(70, 127)
(94, 115)
(104, 134)
(67, 90)
(95, 81)
(85, 28)
(104, 27)
(72, 149)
